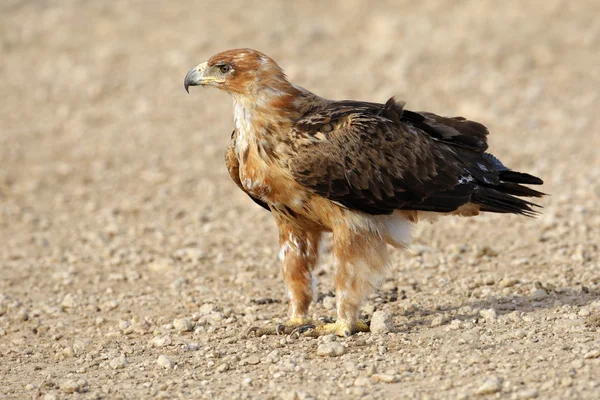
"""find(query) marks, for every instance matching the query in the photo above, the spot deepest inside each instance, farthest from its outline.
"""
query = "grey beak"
(192, 78)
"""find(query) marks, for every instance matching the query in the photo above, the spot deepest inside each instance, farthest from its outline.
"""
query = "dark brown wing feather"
(233, 166)
(379, 158)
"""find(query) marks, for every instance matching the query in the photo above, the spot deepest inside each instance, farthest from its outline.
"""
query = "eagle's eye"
(224, 68)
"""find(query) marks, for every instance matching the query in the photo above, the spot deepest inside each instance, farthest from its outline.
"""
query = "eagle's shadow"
(502, 305)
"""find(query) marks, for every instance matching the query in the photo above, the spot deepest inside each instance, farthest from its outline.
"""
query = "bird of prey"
(366, 172)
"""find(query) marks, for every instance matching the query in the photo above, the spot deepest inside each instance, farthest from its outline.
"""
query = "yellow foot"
(338, 328)
(310, 328)
(294, 325)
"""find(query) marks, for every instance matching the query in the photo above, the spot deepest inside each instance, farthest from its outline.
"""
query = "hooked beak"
(195, 77)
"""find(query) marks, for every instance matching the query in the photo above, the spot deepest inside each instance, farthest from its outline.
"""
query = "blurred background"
(95, 118)
(112, 180)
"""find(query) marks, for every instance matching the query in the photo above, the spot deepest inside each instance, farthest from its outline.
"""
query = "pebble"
(381, 322)
(247, 382)
(207, 308)
(508, 282)
(165, 362)
(68, 301)
(584, 313)
(538, 295)
(362, 381)
(273, 357)
(190, 254)
(489, 315)
(69, 386)
(328, 338)
(386, 378)
(50, 396)
(222, 368)
(577, 364)
(438, 320)
(526, 394)
(490, 385)
(253, 360)
(182, 325)
(595, 353)
(118, 362)
(161, 341)
(371, 369)
(332, 349)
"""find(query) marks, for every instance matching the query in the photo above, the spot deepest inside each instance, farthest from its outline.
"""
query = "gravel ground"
(131, 266)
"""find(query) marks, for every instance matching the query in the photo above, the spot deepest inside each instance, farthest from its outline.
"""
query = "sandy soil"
(131, 265)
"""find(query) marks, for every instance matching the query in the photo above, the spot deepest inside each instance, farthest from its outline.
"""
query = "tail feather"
(495, 200)
(519, 177)
(503, 196)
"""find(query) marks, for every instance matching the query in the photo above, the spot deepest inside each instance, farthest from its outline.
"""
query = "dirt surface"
(131, 266)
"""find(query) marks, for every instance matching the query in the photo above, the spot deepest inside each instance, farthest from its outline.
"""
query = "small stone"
(455, 325)
(362, 381)
(595, 353)
(438, 320)
(381, 322)
(386, 378)
(508, 282)
(68, 301)
(349, 366)
(333, 349)
(273, 357)
(526, 394)
(486, 251)
(490, 385)
(50, 396)
(31, 386)
(566, 381)
(118, 362)
(371, 370)
(253, 360)
(489, 280)
(164, 362)
(82, 383)
(577, 364)
(124, 324)
(222, 368)
(329, 302)
(206, 308)
(489, 315)
(69, 386)
(161, 341)
(584, 313)
(182, 325)
(247, 381)
(593, 321)
(190, 254)
(538, 295)
(328, 338)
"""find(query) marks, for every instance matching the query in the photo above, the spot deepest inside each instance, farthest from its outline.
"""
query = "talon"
(302, 329)
(253, 329)
(280, 329)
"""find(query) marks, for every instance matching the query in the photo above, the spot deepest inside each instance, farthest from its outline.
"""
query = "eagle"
(365, 172)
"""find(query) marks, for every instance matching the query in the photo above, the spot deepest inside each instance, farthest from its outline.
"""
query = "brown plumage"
(363, 171)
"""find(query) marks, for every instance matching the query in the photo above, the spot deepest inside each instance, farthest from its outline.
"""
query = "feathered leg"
(299, 253)
(360, 262)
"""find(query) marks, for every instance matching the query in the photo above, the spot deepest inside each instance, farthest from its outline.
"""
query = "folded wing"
(378, 158)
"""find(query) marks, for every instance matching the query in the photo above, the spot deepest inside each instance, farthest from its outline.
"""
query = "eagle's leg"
(360, 262)
(299, 253)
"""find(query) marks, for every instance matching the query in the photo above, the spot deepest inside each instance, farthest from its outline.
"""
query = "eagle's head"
(240, 72)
